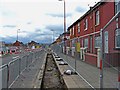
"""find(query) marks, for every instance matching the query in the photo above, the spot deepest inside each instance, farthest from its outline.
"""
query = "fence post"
(27, 61)
(19, 66)
(118, 72)
(31, 57)
(98, 57)
(8, 75)
(101, 61)
(119, 81)
(84, 51)
(75, 61)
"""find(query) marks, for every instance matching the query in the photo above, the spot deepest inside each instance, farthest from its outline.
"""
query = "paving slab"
(71, 81)
(91, 73)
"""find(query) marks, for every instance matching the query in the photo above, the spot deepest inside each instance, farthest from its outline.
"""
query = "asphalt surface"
(7, 58)
(16, 67)
(29, 75)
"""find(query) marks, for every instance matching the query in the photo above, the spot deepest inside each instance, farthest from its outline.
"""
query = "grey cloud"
(59, 15)
(44, 38)
(28, 22)
(9, 26)
(56, 28)
(8, 13)
(80, 9)
(23, 31)
(9, 39)
(37, 30)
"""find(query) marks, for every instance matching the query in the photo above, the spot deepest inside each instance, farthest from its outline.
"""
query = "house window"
(73, 43)
(73, 30)
(78, 27)
(97, 42)
(117, 6)
(70, 32)
(86, 42)
(86, 24)
(97, 18)
(117, 36)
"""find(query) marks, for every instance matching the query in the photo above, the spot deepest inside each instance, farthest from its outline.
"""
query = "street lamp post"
(17, 33)
(64, 24)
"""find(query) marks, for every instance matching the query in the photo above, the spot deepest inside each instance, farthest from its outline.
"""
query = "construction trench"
(52, 78)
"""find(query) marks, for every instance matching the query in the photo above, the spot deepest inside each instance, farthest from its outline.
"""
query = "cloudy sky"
(36, 18)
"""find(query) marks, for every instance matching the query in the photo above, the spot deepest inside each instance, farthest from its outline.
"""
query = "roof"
(88, 12)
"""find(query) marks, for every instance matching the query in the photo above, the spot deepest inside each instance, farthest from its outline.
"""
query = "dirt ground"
(51, 76)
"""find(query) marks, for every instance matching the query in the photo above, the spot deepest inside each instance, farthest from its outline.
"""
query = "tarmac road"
(15, 66)
(6, 59)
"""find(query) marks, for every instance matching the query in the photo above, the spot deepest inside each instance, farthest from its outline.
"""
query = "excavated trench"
(52, 78)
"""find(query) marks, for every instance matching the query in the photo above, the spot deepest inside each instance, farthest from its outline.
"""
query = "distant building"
(2, 43)
(33, 44)
(3, 48)
(18, 43)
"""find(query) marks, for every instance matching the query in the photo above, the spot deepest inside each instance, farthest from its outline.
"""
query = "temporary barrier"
(10, 72)
(4, 71)
(110, 51)
(106, 74)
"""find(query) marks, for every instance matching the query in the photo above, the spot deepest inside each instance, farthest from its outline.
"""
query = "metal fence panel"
(4, 71)
(110, 53)
(13, 71)
(23, 62)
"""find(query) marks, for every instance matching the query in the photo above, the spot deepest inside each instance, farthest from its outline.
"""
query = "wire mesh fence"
(111, 53)
(4, 72)
(10, 72)
(107, 75)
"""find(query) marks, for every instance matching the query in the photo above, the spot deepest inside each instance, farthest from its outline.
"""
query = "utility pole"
(64, 25)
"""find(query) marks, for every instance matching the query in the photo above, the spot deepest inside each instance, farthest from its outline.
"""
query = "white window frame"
(117, 35)
(97, 42)
(86, 24)
(73, 42)
(79, 27)
(73, 30)
(117, 6)
(86, 42)
(97, 18)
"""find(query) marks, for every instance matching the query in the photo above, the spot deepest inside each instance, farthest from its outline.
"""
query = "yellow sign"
(78, 47)
(37, 46)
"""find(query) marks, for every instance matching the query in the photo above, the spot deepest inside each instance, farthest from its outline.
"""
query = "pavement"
(28, 77)
(91, 74)
(73, 80)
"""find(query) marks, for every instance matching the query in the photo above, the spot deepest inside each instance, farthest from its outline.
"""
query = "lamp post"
(64, 24)
(17, 33)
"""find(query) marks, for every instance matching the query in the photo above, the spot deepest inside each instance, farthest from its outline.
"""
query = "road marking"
(82, 77)
(15, 57)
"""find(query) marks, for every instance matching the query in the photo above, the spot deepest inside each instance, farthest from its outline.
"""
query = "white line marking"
(82, 77)
(15, 57)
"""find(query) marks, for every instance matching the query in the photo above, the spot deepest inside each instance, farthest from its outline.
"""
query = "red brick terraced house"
(64, 38)
(98, 28)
